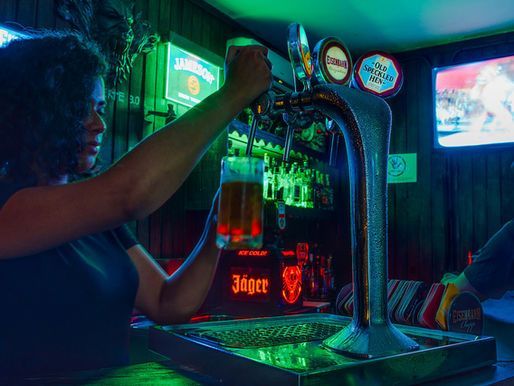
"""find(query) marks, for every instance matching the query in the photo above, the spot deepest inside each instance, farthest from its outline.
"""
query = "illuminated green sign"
(190, 79)
(402, 168)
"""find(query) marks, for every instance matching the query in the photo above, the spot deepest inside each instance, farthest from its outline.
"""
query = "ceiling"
(363, 25)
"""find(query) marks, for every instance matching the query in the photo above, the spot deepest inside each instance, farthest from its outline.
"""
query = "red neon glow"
(291, 283)
(470, 257)
(288, 253)
(253, 252)
(236, 231)
(222, 229)
(249, 285)
(256, 228)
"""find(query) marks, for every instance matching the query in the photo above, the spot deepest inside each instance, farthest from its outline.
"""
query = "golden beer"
(240, 208)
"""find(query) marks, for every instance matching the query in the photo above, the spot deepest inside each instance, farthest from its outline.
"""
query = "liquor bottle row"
(318, 277)
(297, 184)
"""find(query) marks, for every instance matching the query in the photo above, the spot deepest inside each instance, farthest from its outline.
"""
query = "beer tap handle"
(291, 119)
(261, 107)
(251, 135)
(333, 129)
(288, 140)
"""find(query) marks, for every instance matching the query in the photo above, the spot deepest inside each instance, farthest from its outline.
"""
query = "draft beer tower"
(365, 122)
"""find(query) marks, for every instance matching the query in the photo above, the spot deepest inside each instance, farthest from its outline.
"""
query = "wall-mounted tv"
(474, 104)
(8, 34)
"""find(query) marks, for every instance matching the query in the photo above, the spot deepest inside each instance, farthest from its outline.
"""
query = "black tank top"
(66, 308)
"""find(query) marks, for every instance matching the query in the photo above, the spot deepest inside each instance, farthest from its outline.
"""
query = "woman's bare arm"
(176, 298)
(35, 219)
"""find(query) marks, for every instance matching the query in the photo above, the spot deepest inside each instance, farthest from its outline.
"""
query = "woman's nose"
(95, 124)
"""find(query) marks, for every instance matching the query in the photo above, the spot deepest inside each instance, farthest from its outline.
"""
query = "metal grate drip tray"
(267, 336)
(286, 350)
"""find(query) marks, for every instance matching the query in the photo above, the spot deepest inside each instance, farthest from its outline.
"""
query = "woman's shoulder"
(8, 187)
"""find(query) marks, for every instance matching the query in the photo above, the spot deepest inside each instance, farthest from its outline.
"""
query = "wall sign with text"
(189, 78)
(402, 168)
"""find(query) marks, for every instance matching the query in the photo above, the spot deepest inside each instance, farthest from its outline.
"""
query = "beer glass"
(240, 208)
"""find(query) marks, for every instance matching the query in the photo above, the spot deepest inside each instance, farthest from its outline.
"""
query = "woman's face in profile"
(95, 127)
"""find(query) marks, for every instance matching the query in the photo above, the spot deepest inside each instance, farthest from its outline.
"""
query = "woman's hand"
(247, 73)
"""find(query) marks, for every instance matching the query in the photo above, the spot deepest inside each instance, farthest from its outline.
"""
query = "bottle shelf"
(295, 212)
(264, 138)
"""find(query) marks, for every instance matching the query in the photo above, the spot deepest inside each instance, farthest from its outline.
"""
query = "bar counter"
(150, 368)
(168, 373)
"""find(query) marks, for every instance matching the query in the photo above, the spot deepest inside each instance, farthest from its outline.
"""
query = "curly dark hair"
(46, 85)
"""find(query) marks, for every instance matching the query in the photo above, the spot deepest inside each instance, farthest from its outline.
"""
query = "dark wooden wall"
(462, 196)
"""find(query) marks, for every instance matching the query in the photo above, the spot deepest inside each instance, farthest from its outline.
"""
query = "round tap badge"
(332, 62)
(299, 52)
(378, 73)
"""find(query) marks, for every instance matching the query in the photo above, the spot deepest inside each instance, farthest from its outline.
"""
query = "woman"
(67, 282)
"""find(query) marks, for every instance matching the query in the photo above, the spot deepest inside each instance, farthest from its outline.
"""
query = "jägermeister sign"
(190, 79)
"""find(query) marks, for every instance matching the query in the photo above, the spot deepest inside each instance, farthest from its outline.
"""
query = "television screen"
(474, 103)
(6, 35)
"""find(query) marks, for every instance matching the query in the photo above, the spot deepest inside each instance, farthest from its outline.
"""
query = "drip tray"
(286, 350)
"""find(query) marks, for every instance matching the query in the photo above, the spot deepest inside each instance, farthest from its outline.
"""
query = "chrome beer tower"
(365, 122)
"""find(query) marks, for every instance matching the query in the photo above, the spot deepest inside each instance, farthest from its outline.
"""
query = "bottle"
(330, 192)
(317, 190)
(271, 192)
(330, 275)
(324, 191)
(285, 182)
(315, 269)
(265, 177)
(296, 179)
(306, 277)
(277, 184)
(322, 283)
(307, 198)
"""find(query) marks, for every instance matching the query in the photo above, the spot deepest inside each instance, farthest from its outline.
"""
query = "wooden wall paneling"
(463, 196)
(196, 25)
(187, 20)
(46, 15)
(493, 195)
(405, 220)
(176, 18)
(397, 263)
(216, 39)
(439, 215)
(107, 149)
(8, 10)
(136, 112)
(421, 189)
(414, 199)
(120, 129)
(163, 25)
(26, 13)
(507, 187)
(479, 208)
